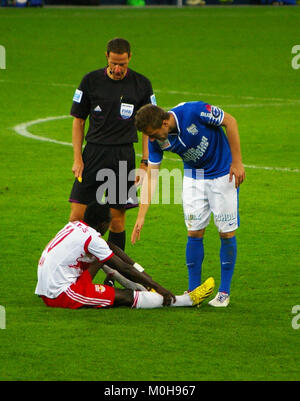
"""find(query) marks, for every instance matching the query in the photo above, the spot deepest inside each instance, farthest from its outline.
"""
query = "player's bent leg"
(150, 300)
(147, 300)
(123, 297)
(125, 282)
(83, 293)
(94, 268)
(137, 299)
(77, 211)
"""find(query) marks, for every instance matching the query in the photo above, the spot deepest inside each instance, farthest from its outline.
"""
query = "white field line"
(267, 99)
(22, 130)
(282, 101)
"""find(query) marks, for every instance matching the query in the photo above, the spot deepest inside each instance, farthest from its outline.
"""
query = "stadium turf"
(239, 58)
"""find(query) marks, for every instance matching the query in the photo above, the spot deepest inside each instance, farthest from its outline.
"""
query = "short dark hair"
(150, 116)
(97, 213)
(119, 46)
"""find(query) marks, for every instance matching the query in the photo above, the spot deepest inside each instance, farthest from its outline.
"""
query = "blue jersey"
(200, 141)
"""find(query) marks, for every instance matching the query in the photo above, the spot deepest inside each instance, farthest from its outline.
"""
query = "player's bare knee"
(196, 233)
(227, 235)
(123, 297)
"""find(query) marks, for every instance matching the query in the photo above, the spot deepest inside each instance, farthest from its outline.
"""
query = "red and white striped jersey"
(67, 255)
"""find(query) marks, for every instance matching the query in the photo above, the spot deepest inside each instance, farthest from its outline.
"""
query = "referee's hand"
(77, 169)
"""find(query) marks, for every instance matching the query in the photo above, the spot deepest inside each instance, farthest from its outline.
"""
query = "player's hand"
(141, 173)
(169, 298)
(136, 232)
(77, 169)
(237, 170)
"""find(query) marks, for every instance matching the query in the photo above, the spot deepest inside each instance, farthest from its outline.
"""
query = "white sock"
(150, 300)
(147, 300)
(183, 300)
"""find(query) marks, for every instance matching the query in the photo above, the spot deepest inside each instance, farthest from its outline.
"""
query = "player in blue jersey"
(213, 172)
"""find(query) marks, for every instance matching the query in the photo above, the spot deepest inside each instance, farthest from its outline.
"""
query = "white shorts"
(201, 197)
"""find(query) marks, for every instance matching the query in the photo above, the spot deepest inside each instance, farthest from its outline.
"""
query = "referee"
(110, 97)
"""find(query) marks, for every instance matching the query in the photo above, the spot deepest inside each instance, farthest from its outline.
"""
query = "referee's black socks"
(118, 239)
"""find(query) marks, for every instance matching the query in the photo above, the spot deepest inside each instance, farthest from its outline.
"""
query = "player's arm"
(145, 147)
(77, 141)
(147, 192)
(134, 275)
(236, 169)
(149, 98)
(127, 259)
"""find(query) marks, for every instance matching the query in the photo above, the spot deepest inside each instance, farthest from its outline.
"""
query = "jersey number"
(59, 237)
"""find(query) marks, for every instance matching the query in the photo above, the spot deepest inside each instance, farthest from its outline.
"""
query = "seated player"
(72, 258)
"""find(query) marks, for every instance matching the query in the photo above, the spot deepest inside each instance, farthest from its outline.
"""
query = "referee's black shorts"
(108, 176)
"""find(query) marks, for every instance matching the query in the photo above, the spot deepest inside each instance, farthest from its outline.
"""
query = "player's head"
(118, 55)
(98, 216)
(153, 121)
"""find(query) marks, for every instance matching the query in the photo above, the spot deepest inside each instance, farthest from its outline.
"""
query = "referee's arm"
(77, 141)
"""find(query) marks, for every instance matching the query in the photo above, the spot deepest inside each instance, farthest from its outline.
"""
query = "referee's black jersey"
(111, 105)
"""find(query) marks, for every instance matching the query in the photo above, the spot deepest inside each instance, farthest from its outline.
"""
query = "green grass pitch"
(239, 58)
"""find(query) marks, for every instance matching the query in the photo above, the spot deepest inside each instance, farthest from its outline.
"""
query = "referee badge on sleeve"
(126, 110)
(153, 99)
(77, 96)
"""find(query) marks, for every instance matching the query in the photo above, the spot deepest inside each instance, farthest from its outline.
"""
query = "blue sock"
(194, 259)
(228, 254)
